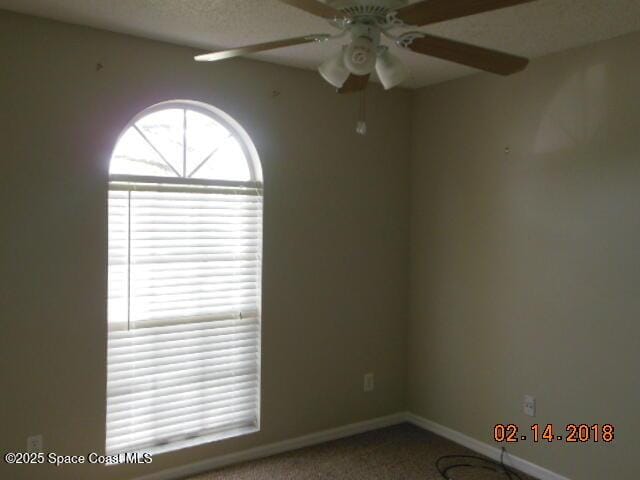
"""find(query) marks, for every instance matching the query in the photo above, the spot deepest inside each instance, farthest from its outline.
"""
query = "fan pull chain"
(361, 126)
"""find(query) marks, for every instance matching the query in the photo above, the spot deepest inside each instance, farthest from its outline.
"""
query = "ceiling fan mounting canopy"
(388, 4)
(371, 10)
(365, 21)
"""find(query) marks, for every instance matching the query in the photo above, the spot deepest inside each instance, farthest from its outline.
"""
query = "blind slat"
(161, 420)
(210, 323)
(181, 404)
(179, 383)
(223, 351)
(175, 400)
(128, 379)
(183, 338)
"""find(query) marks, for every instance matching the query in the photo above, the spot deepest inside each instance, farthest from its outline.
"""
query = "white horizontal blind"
(184, 315)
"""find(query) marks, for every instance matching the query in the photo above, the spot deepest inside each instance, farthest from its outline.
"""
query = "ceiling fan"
(364, 22)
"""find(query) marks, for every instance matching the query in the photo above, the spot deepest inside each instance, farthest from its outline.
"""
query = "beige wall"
(525, 265)
(335, 241)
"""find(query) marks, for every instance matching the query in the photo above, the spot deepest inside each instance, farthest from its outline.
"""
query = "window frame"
(120, 182)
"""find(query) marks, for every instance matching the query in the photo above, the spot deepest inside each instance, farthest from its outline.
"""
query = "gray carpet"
(402, 452)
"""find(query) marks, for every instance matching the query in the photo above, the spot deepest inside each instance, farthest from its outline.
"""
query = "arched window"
(185, 243)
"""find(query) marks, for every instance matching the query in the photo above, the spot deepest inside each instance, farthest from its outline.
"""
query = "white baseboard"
(483, 448)
(275, 448)
(346, 431)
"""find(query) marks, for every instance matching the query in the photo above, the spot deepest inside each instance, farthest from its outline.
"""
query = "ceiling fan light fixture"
(391, 71)
(360, 56)
(334, 70)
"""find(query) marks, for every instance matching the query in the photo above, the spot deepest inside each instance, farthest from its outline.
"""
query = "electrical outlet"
(529, 406)
(368, 382)
(34, 444)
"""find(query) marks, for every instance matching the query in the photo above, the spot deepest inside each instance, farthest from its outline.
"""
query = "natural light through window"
(185, 244)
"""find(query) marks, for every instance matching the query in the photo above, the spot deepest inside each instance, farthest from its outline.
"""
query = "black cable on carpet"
(463, 462)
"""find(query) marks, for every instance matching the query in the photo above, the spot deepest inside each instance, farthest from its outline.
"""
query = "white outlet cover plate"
(369, 382)
(34, 444)
(529, 405)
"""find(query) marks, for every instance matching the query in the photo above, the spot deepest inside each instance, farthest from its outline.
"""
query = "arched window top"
(186, 140)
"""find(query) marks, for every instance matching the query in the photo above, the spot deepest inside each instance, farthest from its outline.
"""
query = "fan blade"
(317, 8)
(355, 83)
(470, 55)
(260, 47)
(433, 11)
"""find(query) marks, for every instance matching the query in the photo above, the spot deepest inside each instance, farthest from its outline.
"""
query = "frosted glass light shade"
(360, 56)
(334, 70)
(390, 70)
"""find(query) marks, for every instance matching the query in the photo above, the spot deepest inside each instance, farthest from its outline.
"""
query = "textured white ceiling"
(532, 30)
